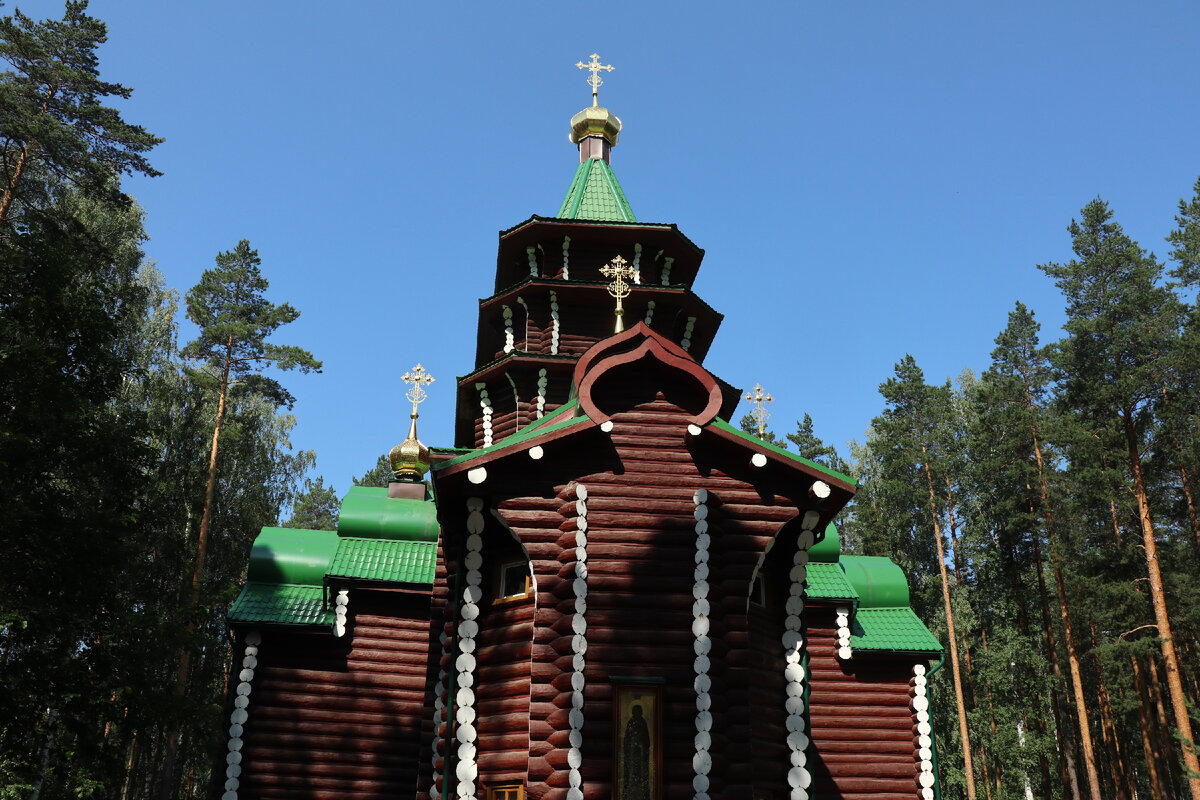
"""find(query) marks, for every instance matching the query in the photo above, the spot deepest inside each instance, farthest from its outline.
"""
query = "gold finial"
(417, 380)
(759, 410)
(595, 67)
(618, 271)
(410, 458)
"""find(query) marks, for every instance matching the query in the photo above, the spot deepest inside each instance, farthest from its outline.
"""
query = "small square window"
(514, 581)
(506, 791)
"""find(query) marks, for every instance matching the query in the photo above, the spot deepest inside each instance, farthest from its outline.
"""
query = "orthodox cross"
(417, 379)
(595, 67)
(618, 270)
(758, 410)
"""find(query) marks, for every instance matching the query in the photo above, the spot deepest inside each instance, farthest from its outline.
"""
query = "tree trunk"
(1066, 746)
(10, 190)
(1148, 750)
(1085, 732)
(991, 709)
(1166, 742)
(952, 636)
(954, 554)
(197, 572)
(1158, 599)
(1191, 503)
(1118, 769)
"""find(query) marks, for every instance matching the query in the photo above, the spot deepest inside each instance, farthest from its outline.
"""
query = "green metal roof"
(879, 581)
(384, 560)
(532, 432)
(830, 546)
(368, 512)
(291, 556)
(757, 442)
(895, 629)
(596, 194)
(280, 604)
(828, 582)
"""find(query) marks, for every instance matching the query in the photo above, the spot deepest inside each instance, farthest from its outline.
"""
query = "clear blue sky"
(868, 179)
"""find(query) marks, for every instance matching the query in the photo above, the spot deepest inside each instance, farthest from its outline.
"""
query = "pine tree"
(316, 509)
(235, 319)
(56, 130)
(1121, 325)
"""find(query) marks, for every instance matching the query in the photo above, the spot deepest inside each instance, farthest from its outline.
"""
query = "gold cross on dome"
(758, 410)
(618, 270)
(417, 379)
(595, 67)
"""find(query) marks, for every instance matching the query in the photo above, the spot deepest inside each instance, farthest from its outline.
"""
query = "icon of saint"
(635, 755)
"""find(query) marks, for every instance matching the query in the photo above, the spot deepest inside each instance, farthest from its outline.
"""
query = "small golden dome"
(410, 458)
(595, 121)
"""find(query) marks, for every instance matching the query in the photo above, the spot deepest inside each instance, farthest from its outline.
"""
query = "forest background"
(1044, 509)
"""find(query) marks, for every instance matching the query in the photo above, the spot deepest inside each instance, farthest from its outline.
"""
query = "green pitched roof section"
(384, 560)
(290, 555)
(757, 442)
(894, 629)
(368, 513)
(828, 582)
(543, 426)
(596, 193)
(829, 548)
(280, 604)
(880, 582)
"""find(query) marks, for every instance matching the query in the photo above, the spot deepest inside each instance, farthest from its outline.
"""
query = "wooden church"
(604, 591)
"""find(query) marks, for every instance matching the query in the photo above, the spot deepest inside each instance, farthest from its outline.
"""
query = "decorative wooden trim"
(637, 260)
(532, 256)
(799, 778)
(843, 633)
(467, 769)
(924, 739)
(239, 715)
(701, 628)
(644, 691)
(341, 608)
(607, 355)
(439, 717)
(509, 338)
(666, 270)
(686, 341)
(485, 403)
(542, 383)
(566, 258)
(578, 647)
(650, 305)
(553, 323)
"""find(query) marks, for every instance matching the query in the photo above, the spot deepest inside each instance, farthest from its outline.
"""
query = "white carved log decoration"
(516, 403)
(920, 704)
(439, 716)
(341, 607)
(649, 311)
(701, 629)
(799, 778)
(686, 341)
(666, 270)
(241, 713)
(525, 332)
(485, 402)
(533, 269)
(578, 646)
(466, 771)
(637, 263)
(843, 634)
(553, 323)
(542, 383)
(509, 339)
(566, 258)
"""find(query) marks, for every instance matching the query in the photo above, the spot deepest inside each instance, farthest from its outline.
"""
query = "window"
(758, 592)
(506, 791)
(514, 581)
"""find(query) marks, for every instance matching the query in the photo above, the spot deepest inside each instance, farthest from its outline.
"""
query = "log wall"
(342, 718)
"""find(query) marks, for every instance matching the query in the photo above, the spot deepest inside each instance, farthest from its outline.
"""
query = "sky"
(867, 179)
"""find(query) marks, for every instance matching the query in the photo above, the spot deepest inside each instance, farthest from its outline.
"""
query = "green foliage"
(316, 508)
(379, 475)
(749, 425)
(809, 445)
(57, 133)
(235, 320)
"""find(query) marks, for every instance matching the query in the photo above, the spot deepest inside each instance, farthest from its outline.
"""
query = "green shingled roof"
(280, 604)
(828, 582)
(895, 629)
(384, 560)
(596, 194)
